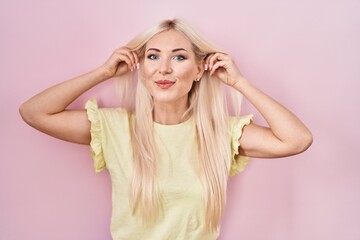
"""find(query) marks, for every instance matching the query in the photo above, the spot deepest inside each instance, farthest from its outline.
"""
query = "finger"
(212, 60)
(130, 55)
(136, 59)
(207, 61)
(217, 65)
(126, 59)
(205, 66)
(126, 52)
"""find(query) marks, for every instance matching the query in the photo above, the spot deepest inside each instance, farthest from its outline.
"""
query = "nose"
(165, 67)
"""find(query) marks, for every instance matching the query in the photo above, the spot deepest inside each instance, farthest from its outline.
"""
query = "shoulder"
(93, 110)
(236, 122)
(108, 119)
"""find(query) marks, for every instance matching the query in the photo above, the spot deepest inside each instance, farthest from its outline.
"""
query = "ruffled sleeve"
(96, 143)
(238, 162)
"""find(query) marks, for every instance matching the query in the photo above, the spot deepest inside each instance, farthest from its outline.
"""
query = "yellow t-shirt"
(178, 168)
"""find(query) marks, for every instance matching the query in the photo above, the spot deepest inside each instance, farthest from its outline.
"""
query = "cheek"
(148, 70)
(186, 74)
(148, 76)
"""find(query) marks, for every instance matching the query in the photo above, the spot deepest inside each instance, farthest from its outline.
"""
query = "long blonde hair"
(209, 108)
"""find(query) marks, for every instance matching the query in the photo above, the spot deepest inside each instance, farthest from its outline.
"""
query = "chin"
(169, 98)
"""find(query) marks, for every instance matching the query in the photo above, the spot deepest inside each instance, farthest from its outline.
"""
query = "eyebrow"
(174, 50)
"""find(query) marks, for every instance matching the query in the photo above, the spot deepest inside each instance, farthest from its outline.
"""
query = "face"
(169, 67)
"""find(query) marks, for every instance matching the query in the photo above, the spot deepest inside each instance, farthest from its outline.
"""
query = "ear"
(200, 69)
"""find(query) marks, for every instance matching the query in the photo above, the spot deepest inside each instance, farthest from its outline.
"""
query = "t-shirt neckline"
(186, 122)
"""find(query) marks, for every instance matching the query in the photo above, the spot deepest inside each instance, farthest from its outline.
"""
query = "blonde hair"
(209, 108)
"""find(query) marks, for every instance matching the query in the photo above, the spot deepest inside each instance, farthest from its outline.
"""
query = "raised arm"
(286, 135)
(47, 111)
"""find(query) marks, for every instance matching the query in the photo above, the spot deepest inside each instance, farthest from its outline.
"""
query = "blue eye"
(152, 57)
(179, 57)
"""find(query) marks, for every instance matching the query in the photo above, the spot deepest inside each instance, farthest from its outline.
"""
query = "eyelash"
(151, 56)
(154, 57)
(181, 56)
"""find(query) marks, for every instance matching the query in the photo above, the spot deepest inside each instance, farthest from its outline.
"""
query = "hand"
(121, 61)
(223, 67)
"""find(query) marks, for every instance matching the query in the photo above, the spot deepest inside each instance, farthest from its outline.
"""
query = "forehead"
(170, 39)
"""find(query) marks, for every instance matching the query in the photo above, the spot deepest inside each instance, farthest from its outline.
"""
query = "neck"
(170, 113)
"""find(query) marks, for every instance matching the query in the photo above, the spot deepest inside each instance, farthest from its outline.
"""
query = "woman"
(170, 155)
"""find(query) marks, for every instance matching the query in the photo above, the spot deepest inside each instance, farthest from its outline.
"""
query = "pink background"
(306, 54)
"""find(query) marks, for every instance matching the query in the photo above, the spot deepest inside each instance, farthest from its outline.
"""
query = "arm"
(47, 112)
(286, 134)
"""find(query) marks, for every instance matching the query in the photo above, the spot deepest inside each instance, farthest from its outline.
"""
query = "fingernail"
(206, 67)
(138, 65)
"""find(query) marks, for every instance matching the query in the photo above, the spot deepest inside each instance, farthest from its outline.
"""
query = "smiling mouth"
(164, 84)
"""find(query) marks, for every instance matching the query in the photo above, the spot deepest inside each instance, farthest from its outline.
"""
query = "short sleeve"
(238, 162)
(95, 131)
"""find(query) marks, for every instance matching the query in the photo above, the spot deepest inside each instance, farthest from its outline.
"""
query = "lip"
(164, 84)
